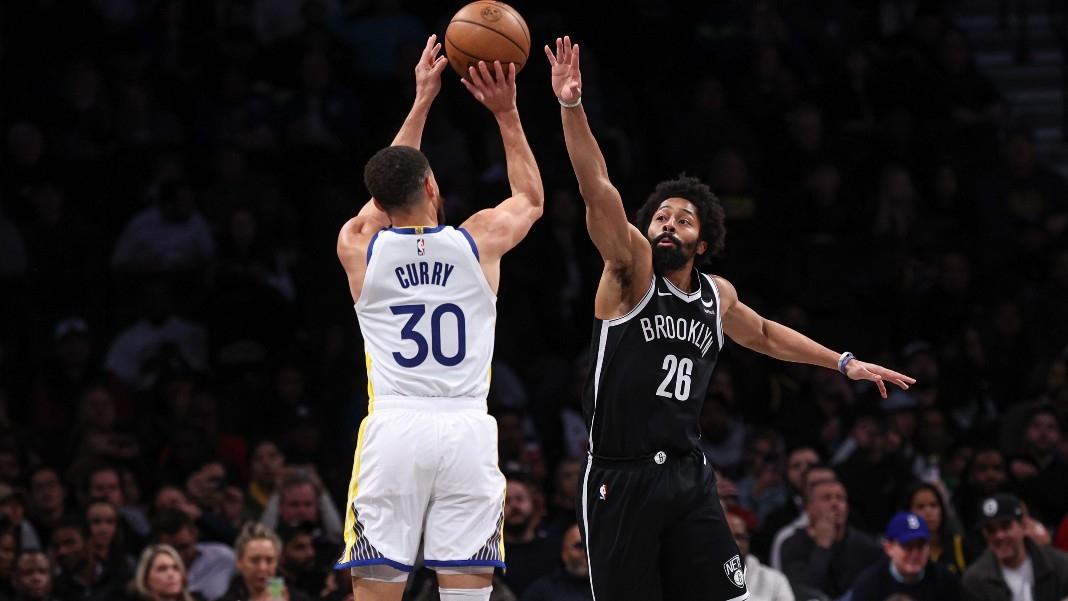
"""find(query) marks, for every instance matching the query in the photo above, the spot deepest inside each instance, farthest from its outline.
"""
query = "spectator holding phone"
(258, 551)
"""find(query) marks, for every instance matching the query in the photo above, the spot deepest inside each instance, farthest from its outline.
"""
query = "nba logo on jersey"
(420, 247)
(603, 492)
(734, 571)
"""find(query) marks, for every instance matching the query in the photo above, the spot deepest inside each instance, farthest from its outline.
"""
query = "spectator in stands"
(762, 582)
(530, 551)
(210, 566)
(32, 577)
(265, 468)
(9, 546)
(106, 544)
(298, 564)
(79, 575)
(1013, 567)
(47, 500)
(907, 568)
(171, 235)
(61, 381)
(828, 555)
(560, 514)
(258, 549)
(763, 490)
(947, 544)
(798, 460)
(1042, 441)
(161, 576)
(13, 504)
(984, 476)
(157, 343)
(301, 499)
(96, 434)
(874, 474)
(813, 475)
(210, 527)
(570, 582)
(104, 481)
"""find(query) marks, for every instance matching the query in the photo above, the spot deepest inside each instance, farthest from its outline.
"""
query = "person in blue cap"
(908, 568)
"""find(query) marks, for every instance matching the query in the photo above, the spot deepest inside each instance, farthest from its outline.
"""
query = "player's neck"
(424, 215)
(682, 277)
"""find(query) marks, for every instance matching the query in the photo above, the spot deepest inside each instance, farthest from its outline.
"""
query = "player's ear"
(378, 205)
(430, 186)
(702, 247)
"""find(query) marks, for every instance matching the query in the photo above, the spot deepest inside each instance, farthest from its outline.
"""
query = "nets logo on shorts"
(734, 571)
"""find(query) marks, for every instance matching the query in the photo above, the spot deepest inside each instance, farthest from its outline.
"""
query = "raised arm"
(746, 327)
(613, 235)
(356, 233)
(498, 230)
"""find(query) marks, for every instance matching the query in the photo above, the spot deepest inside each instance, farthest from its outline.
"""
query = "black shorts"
(656, 532)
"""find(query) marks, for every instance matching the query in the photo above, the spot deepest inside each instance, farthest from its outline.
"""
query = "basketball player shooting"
(425, 293)
(651, 519)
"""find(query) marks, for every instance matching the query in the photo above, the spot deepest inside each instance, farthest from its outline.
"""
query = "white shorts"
(425, 468)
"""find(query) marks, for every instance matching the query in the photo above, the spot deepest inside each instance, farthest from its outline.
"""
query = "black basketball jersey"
(649, 372)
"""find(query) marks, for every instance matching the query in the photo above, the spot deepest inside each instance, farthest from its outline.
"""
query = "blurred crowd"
(181, 371)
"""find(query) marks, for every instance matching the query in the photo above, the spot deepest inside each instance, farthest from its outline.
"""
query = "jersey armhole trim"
(470, 240)
(371, 244)
(719, 309)
(637, 308)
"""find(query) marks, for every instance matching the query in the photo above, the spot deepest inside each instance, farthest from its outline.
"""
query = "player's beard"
(667, 259)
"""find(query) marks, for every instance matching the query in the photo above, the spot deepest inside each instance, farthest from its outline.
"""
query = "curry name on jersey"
(427, 314)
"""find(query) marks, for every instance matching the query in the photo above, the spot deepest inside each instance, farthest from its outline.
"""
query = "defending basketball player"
(653, 526)
(425, 294)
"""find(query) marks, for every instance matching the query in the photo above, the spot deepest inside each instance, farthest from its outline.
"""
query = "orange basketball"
(487, 31)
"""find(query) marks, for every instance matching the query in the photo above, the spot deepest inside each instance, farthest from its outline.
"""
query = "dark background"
(882, 194)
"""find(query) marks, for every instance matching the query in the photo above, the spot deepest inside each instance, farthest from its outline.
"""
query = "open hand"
(428, 69)
(496, 91)
(860, 370)
(567, 78)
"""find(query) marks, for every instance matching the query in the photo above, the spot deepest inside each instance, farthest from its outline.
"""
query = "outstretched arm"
(498, 230)
(427, 85)
(606, 218)
(355, 234)
(746, 327)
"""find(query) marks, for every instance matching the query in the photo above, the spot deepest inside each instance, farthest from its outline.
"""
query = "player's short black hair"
(709, 211)
(394, 176)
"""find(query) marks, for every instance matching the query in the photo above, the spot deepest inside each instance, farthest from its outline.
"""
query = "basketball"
(487, 31)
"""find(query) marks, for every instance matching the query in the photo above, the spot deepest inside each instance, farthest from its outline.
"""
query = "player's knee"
(465, 594)
(379, 573)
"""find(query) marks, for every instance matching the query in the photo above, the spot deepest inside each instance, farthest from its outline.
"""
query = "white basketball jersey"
(427, 315)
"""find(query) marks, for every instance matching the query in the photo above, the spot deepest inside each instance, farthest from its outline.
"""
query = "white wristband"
(844, 360)
(570, 105)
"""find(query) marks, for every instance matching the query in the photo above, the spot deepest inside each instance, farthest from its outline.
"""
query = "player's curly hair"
(709, 211)
(394, 176)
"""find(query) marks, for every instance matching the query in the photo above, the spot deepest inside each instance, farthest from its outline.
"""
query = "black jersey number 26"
(678, 373)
